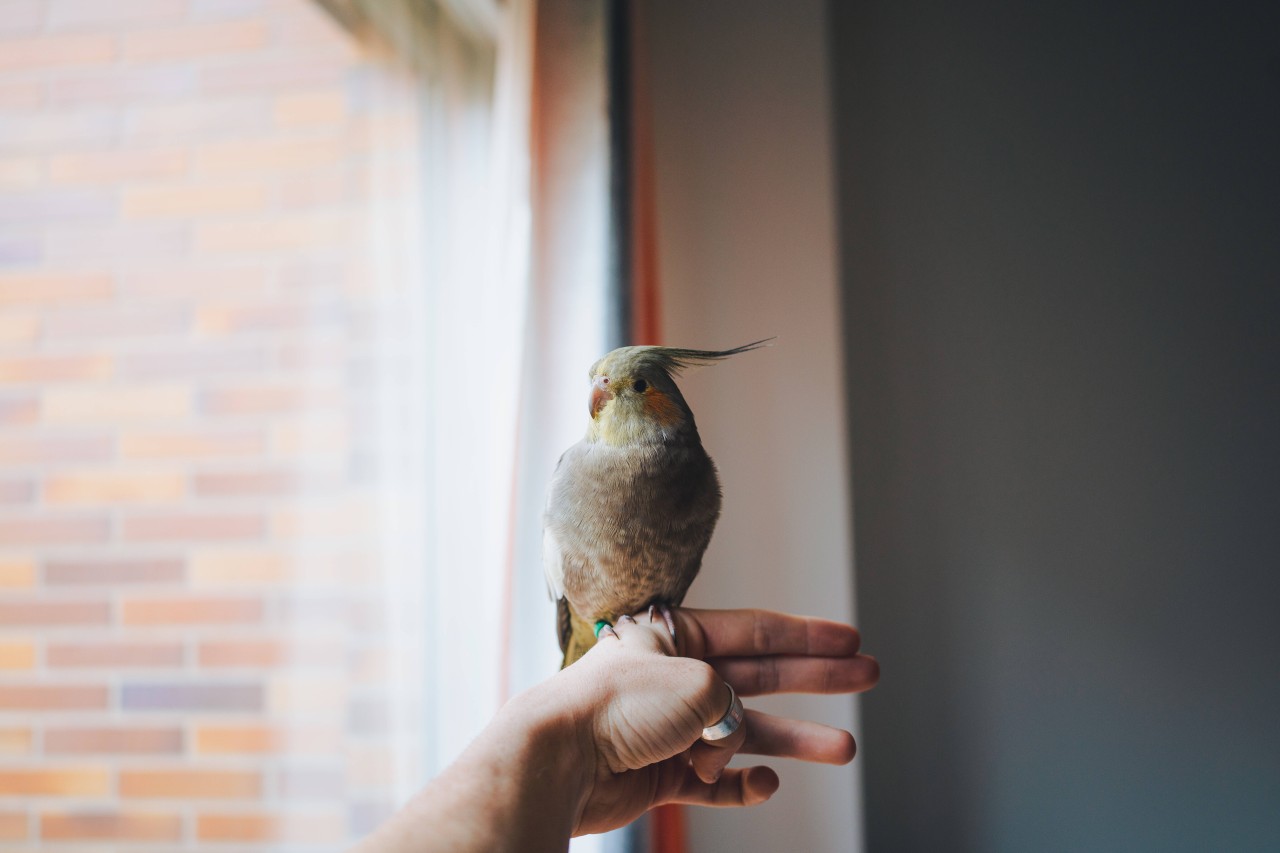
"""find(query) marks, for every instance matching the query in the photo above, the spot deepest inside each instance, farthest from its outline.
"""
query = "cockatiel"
(633, 504)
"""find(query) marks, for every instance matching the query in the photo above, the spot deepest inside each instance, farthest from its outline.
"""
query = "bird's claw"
(665, 612)
(604, 629)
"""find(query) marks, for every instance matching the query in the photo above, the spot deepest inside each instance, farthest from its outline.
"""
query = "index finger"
(744, 633)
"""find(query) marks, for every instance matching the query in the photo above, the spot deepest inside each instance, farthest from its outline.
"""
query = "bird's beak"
(600, 394)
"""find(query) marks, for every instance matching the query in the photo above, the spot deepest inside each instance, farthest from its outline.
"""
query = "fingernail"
(628, 619)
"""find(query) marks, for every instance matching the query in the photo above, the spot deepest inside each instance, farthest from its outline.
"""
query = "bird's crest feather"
(673, 360)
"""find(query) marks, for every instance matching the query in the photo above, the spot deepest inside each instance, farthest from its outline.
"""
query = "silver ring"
(728, 724)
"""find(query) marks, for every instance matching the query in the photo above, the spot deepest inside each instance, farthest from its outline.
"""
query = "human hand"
(609, 737)
(640, 702)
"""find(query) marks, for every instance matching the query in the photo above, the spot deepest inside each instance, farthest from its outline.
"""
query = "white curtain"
(451, 231)
(483, 346)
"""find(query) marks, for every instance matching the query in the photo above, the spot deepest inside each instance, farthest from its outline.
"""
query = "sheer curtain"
(491, 259)
(451, 263)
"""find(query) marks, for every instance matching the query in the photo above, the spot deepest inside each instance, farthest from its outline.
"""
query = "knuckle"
(761, 639)
(770, 677)
(701, 677)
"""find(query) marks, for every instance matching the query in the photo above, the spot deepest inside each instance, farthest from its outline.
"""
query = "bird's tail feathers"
(577, 636)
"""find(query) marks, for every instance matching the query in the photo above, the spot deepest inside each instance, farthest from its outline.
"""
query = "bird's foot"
(603, 628)
(665, 612)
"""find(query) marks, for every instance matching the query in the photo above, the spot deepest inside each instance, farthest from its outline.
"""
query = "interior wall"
(746, 249)
(1061, 250)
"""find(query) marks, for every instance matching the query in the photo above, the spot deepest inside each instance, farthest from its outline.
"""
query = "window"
(265, 473)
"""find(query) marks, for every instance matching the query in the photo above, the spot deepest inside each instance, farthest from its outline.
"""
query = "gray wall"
(1061, 267)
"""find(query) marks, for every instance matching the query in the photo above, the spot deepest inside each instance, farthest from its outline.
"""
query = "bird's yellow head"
(634, 398)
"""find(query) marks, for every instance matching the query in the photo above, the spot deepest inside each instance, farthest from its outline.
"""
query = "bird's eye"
(641, 386)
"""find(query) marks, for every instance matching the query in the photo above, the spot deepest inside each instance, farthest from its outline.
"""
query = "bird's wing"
(552, 556)
(552, 564)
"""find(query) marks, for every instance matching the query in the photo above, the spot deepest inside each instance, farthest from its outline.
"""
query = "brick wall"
(191, 648)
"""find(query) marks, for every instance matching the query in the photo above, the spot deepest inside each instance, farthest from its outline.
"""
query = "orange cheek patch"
(662, 408)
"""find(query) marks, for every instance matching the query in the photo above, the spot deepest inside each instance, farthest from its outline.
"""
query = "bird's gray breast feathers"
(625, 527)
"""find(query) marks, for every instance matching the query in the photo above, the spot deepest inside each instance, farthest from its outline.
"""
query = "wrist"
(520, 786)
(556, 749)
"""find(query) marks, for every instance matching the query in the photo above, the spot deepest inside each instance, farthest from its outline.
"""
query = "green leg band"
(600, 626)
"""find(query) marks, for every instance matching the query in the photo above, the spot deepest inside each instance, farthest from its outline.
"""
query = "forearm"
(519, 786)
